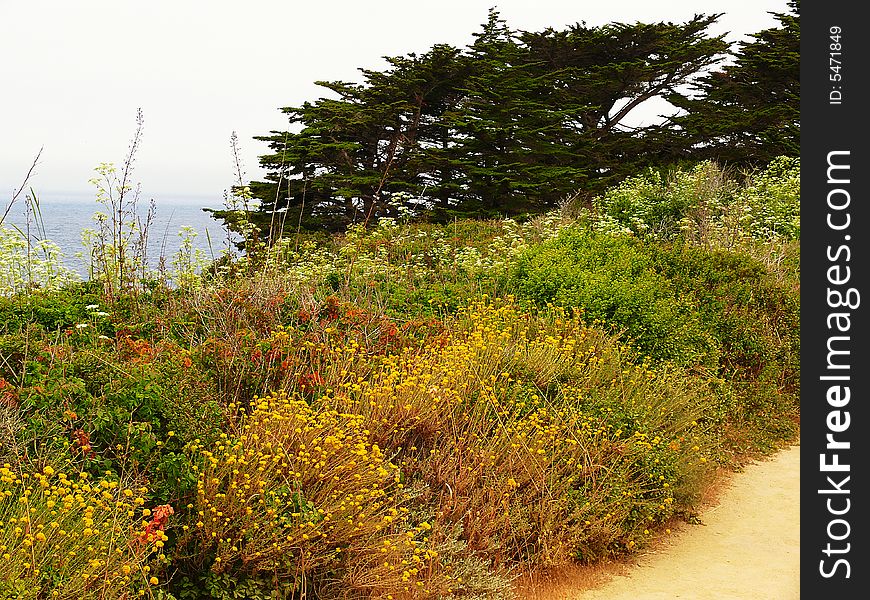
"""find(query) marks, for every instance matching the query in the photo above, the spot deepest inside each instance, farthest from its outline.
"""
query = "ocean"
(66, 216)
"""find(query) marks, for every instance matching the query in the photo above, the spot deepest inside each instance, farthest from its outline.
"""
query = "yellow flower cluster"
(538, 435)
(64, 536)
(520, 421)
(300, 488)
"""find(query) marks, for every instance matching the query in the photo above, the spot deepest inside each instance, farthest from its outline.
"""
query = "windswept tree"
(352, 151)
(544, 115)
(512, 124)
(748, 112)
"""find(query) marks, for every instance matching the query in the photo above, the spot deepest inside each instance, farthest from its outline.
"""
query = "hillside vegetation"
(399, 411)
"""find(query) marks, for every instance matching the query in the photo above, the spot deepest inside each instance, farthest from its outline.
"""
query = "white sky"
(73, 73)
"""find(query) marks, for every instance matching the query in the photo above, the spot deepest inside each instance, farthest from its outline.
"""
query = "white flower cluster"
(705, 205)
(25, 266)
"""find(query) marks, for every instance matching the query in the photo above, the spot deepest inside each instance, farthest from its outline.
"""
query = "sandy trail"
(748, 547)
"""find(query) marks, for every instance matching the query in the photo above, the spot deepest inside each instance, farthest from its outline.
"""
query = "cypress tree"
(511, 125)
(748, 112)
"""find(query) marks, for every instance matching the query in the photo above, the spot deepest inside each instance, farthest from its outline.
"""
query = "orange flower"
(156, 525)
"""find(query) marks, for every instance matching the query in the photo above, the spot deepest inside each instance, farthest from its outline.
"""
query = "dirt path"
(748, 547)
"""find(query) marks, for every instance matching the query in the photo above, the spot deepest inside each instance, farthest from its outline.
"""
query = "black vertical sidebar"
(835, 299)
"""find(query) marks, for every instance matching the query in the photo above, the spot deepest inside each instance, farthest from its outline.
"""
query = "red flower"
(156, 525)
(309, 382)
(81, 437)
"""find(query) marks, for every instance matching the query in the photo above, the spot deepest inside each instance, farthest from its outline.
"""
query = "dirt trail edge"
(748, 547)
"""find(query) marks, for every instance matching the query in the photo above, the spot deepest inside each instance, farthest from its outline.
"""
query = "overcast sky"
(74, 72)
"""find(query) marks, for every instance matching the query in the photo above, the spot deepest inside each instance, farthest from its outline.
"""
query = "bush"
(755, 318)
(656, 206)
(73, 536)
(304, 494)
(772, 200)
(54, 310)
(534, 438)
(119, 406)
(706, 205)
(612, 279)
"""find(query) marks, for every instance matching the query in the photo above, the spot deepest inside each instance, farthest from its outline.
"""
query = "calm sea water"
(65, 216)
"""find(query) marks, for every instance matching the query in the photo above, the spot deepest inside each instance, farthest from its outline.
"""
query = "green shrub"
(612, 279)
(706, 205)
(755, 318)
(655, 205)
(121, 409)
(772, 200)
(54, 310)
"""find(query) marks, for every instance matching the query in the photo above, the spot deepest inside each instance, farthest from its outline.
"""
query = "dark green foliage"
(589, 79)
(334, 170)
(207, 585)
(513, 124)
(749, 112)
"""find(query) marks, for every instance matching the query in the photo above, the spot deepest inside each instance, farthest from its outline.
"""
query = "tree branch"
(23, 185)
